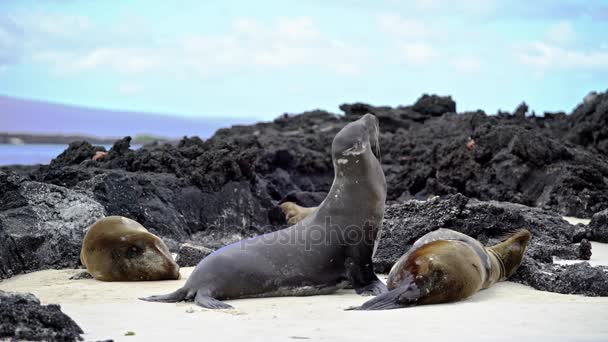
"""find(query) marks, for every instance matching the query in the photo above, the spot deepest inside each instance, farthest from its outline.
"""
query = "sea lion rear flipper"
(210, 303)
(173, 297)
(403, 296)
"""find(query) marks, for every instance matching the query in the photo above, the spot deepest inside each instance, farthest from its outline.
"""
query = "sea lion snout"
(356, 138)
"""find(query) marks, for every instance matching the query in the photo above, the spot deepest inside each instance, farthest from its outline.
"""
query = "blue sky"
(258, 59)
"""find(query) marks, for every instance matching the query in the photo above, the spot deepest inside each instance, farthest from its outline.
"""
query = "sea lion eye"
(133, 251)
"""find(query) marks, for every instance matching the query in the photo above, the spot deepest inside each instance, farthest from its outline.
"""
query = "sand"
(505, 312)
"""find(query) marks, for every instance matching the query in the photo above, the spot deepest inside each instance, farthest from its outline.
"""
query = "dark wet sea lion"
(326, 251)
(116, 248)
(446, 266)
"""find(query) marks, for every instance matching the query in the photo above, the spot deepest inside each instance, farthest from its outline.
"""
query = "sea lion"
(116, 248)
(324, 252)
(446, 266)
(295, 213)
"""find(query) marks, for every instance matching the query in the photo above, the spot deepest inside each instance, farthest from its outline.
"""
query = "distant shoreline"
(59, 139)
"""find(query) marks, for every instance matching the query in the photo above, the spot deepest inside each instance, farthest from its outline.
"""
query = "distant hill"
(39, 117)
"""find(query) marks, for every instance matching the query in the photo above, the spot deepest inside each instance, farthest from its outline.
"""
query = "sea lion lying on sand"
(446, 266)
(116, 248)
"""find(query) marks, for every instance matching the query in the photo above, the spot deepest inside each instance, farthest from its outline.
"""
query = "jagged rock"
(488, 222)
(598, 227)
(190, 255)
(435, 105)
(23, 318)
(424, 153)
(76, 153)
(42, 225)
(589, 123)
(579, 278)
(584, 250)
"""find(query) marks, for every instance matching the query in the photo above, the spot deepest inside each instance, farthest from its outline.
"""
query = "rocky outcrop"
(42, 225)
(588, 123)
(23, 318)
(598, 227)
(216, 191)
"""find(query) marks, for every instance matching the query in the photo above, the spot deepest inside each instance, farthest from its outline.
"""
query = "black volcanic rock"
(23, 318)
(589, 123)
(76, 153)
(435, 105)
(579, 278)
(41, 225)
(488, 222)
(598, 227)
(191, 254)
(425, 151)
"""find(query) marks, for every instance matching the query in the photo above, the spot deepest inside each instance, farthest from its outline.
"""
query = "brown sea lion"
(327, 250)
(446, 266)
(116, 248)
(295, 213)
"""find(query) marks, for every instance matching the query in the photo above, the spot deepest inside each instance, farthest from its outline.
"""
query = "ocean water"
(30, 154)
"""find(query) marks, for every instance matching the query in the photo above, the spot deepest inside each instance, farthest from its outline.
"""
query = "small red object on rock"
(470, 144)
(99, 154)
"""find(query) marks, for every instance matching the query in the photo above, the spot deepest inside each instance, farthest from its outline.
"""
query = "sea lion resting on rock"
(326, 251)
(295, 213)
(446, 266)
(116, 248)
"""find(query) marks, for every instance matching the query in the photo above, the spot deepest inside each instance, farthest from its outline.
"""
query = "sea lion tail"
(174, 297)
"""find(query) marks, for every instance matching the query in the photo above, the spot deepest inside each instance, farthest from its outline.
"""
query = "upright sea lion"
(330, 248)
(116, 248)
(446, 266)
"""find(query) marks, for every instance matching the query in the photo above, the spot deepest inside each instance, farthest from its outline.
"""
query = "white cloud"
(405, 28)
(75, 45)
(287, 42)
(544, 56)
(467, 64)
(419, 53)
(129, 88)
(561, 33)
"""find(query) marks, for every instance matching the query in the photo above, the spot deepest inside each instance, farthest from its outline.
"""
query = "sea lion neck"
(497, 271)
(510, 252)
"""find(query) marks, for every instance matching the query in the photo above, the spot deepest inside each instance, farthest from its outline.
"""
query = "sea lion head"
(117, 248)
(356, 139)
(511, 251)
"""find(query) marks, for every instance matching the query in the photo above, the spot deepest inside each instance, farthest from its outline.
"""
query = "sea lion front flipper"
(401, 297)
(210, 303)
(363, 279)
(375, 288)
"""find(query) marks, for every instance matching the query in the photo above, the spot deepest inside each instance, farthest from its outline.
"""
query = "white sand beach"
(505, 312)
